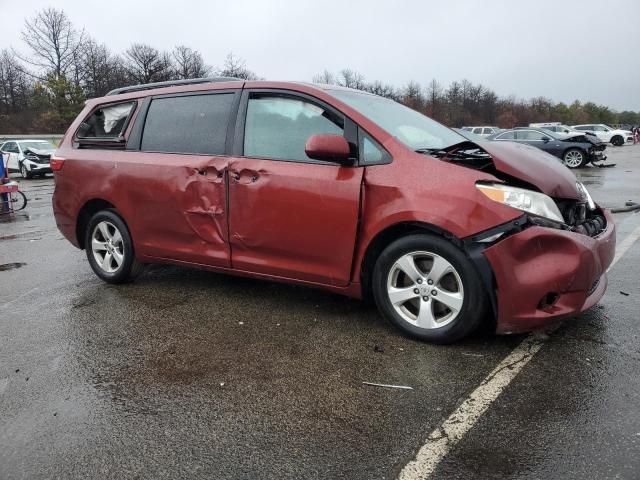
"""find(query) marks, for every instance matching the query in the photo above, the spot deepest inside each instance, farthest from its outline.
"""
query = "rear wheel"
(110, 249)
(574, 158)
(429, 289)
(617, 141)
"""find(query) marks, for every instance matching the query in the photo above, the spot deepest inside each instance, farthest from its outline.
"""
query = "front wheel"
(429, 289)
(26, 174)
(574, 158)
(617, 141)
(110, 249)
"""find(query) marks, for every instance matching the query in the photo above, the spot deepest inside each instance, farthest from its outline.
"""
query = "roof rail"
(170, 83)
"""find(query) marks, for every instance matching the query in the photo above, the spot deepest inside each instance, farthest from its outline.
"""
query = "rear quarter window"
(107, 122)
(188, 124)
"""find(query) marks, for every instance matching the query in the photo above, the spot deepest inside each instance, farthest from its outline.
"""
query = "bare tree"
(351, 79)
(382, 89)
(412, 96)
(325, 77)
(434, 97)
(146, 64)
(53, 41)
(14, 84)
(188, 63)
(236, 67)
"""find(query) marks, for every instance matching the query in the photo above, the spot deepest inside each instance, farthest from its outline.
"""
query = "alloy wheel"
(107, 246)
(425, 289)
(573, 159)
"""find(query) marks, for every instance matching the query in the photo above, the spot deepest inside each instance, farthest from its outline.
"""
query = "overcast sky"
(561, 49)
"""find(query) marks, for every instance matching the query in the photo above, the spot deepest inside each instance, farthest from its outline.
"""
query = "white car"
(484, 131)
(29, 157)
(606, 133)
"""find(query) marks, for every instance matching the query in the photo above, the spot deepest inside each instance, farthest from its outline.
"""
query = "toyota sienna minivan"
(334, 188)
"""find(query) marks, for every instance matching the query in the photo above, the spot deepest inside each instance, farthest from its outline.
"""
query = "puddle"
(11, 266)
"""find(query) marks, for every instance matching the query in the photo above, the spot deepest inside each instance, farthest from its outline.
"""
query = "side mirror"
(333, 148)
(545, 139)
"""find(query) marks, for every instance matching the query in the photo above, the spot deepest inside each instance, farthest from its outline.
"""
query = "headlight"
(584, 193)
(527, 200)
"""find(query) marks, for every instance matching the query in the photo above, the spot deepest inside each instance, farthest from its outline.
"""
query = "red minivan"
(334, 188)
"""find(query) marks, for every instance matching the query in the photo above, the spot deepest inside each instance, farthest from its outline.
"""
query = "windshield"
(37, 145)
(413, 129)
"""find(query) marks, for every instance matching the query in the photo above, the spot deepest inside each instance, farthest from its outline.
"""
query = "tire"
(26, 174)
(617, 141)
(574, 158)
(18, 200)
(113, 242)
(423, 315)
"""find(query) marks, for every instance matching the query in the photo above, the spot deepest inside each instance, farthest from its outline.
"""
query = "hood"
(39, 151)
(533, 166)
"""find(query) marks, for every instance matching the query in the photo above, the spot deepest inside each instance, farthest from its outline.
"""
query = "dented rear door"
(176, 181)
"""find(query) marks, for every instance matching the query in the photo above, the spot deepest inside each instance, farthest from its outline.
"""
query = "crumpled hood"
(533, 166)
(38, 151)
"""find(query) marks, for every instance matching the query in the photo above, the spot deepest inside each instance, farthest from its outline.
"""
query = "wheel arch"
(90, 208)
(387, 236)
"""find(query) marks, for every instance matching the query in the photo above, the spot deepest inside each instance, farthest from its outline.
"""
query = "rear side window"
(188, 124)
(107, 122)
(506, 136)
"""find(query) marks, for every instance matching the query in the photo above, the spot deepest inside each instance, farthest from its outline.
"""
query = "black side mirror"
(545, 139)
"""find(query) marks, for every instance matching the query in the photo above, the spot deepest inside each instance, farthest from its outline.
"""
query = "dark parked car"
(574, 150)
(334, 188)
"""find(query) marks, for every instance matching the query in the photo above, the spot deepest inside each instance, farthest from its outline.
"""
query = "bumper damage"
(542, 275)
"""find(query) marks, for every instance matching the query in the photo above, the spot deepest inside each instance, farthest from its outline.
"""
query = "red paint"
(537, 261)
(327, 147)
(312, 223)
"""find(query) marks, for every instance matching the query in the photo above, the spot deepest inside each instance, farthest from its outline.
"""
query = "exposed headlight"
(584, 193)
(526, 200)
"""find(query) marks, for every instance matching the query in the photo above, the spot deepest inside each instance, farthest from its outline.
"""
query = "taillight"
(56, 163)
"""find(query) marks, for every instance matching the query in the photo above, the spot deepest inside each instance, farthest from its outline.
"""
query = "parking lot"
(192, 373)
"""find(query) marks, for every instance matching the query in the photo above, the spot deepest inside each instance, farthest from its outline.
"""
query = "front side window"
(11, 147)
(279, 127)
(477, 131)
(530, 135)
(106, 122)
(194, 124)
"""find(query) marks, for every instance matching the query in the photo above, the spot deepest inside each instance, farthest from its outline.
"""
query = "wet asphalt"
(192, 374)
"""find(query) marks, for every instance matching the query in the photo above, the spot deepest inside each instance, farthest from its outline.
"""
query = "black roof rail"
(170, 83)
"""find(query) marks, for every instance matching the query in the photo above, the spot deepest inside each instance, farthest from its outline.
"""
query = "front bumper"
(544, 275)
(38, 168)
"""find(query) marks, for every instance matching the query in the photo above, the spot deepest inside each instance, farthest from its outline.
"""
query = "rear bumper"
(544, 275)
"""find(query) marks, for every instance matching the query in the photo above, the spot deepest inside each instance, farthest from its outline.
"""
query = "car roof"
(163, 88)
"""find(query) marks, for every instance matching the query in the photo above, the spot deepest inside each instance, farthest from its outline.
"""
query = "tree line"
(44, 84)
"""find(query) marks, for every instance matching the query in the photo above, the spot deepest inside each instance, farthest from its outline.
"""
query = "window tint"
(506, 136)
(488, 131)
(279, 127)
(106, 122)
(582, 128)
(371, 152)
(189, 124)
(477, 131)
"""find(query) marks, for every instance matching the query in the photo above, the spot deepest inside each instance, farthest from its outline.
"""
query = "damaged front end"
(550, 262)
